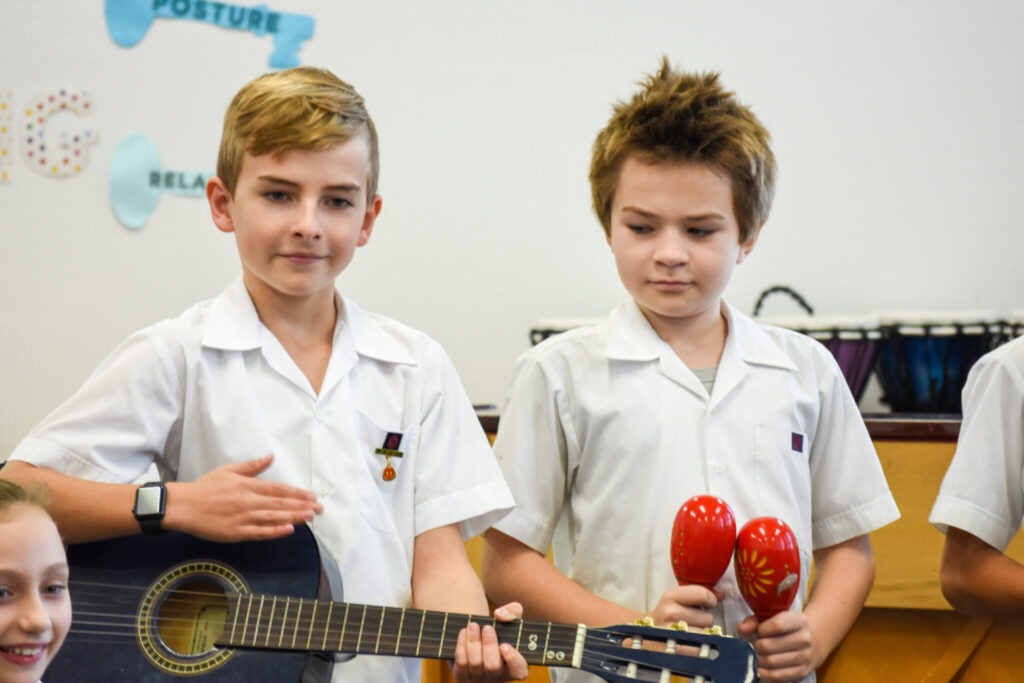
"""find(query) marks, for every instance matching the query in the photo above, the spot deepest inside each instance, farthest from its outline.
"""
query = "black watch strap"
(152, 526)
(150, 504)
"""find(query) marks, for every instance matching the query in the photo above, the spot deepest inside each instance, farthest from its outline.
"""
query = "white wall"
(897, 125)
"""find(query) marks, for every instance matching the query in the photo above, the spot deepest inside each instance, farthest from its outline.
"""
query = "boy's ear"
(220, 204)
(748, 246)
(369, 218)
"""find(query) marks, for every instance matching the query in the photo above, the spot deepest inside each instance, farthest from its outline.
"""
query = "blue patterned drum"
(925, 357)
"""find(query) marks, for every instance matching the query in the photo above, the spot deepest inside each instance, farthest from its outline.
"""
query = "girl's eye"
(640, 229)
(275, 196)
(4, 592)
(338, 202)
(701, 232)
(56, 588)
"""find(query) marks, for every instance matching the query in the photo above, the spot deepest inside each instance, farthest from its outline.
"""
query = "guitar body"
(109, 580)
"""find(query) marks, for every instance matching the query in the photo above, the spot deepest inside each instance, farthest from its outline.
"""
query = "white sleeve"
(850, 496)
(534, 443)
(983, 490)
(118, 421)
(457, 478)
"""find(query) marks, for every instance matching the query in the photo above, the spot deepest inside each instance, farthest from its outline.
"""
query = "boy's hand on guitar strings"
(231, 504)
(686, 603)
(479, 658)
(783, 646)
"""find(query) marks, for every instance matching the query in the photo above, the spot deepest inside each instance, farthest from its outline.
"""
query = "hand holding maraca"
(703, 538)
(767, 564)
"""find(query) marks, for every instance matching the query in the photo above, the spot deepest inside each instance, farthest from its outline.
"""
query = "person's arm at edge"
(227, 504)
(444, 580)
(979, 579)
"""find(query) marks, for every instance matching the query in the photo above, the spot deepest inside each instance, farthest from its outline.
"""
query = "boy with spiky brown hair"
(608, 429)
(281, 402)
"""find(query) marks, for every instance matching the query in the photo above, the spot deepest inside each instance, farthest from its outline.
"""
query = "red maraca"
(767, 566)
(703, 538)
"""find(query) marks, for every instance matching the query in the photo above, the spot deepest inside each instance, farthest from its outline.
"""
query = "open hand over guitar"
(231, 504)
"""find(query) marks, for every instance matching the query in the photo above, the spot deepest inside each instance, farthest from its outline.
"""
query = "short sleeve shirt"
(214, 386)
(605, 433)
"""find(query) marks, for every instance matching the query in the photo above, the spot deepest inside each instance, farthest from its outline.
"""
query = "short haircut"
(302, 108)
(679, 117)
(13, 495)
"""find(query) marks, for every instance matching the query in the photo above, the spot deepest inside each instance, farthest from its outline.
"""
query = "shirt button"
(320, 417)
(322, 489)
(721, 469)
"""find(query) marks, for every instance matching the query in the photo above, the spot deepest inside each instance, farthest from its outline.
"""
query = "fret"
(423, 620)
(380, 629)
(327, 626)
(311, 622)
(284, 620)
(359, 639)
(256, 626)
(245, 625)
(547, 639)
(344, 625)
(444, 626)
(234, 621)
(519, 635)
(298, 618)
(270, 621)
(401, 622)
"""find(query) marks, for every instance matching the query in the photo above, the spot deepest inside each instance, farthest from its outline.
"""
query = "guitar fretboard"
(281, 623)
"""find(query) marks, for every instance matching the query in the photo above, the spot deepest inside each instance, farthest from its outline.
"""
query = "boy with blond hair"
(281, 402)
(608, 429)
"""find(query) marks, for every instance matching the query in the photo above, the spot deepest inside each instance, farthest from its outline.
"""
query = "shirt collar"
(369, 337)
(631, 337)
(233, 324)
(748, 341)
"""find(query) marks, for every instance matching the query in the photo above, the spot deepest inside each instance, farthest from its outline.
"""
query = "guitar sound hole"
(192, 616)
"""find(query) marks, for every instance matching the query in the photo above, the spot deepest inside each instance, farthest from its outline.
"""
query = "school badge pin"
(390, 450)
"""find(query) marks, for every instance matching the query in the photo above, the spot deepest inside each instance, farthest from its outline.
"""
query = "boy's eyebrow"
(342, 187)
(697, 216)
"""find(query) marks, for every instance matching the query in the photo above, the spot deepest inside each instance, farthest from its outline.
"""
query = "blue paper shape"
(128, 21)
(136, 180)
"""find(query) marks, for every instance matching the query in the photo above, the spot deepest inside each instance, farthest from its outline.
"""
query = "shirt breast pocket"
(388, 467)
(783, 472)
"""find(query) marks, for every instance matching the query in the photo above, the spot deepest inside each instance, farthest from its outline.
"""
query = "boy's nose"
(307, 223)
(671, 250)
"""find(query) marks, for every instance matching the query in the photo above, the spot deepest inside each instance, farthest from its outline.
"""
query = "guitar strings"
(114, 626)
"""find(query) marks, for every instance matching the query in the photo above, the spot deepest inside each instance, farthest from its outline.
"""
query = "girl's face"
(35, 609)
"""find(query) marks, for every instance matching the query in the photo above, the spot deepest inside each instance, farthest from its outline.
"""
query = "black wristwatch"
(150, 504)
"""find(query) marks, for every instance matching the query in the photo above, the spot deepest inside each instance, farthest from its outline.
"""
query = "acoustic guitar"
(159, 608)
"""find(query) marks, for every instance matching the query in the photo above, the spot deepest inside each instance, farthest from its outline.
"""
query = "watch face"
(147, 501)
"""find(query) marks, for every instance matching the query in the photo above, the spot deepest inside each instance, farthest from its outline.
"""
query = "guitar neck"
(281, 623)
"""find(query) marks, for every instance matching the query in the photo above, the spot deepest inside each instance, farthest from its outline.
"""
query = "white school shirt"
(214, 386)
(606, 433)
(983, 490)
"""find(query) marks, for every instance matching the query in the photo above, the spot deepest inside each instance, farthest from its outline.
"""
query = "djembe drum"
(925, 357)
